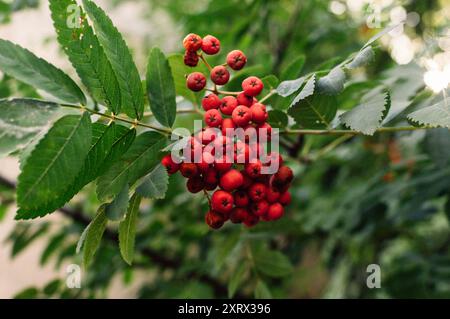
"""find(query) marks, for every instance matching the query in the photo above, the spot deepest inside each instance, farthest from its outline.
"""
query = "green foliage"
(26, 67)
(262, 291)
(118, 207)
(127, 229)
(315, 111)
(436, 115)
(161, 88)
(333, 82)
(93, 235)
(155, 184)
(271, 263)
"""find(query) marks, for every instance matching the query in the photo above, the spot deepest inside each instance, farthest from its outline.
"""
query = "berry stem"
(214, 90)
(268, 96)
(205, 61)
(207, 197)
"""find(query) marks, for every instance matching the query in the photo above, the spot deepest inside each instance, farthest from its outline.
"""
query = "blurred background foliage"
(356, 200)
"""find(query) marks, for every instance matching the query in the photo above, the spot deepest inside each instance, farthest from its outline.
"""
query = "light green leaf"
(118, 207)
(142, 156)
(53, 166)
(236, 279)
(382, 33)
(21, 120)
(307, 90)
(28, 68)
(155, 184)
(86, 54)
(270, 83)
(262, 291)
(287, 88)
(93, 237)
(437, 144)
(362, 58)
(316, 111)
(294, 68)
(368, 115)
(127, 230)
(437, 115)
(272, 263)
(118, 54)
(161, 88)
(333, 82)
(53, 244)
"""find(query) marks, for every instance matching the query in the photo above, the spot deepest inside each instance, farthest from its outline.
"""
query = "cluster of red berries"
(246, 194)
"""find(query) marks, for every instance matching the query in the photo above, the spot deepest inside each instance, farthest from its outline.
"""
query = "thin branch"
(340, 132)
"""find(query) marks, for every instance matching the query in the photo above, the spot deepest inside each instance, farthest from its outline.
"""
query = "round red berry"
(281, 180)
(210, 45)
(275, 211)
(169, 164)
(285, 198)
(245, 100)
(192, 42)
(236, 60)
(220, 75)
(222, 201)
(206, 162)
(251, 220)
(257, 192)
(231, 180)
(241, 198)
(227, 124)
(195, 184)
(247, 182)
(259, 113)
(272, 196)
(253, 170)
(213, 118)
(260, 208)
(223, 163)
(265, 129)
(252, 86)
(214, 220)
(241, 152)
(211, 101)
(238, 215)
(188, 170)
(208, 135)
(191, 58)
(241, 115)
(228, 104)
(196, 81)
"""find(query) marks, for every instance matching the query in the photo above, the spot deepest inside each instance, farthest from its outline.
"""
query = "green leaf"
(262, 291)
(278, 118)
(287, 88)
(437, 144)
(53, 166)
(316, 111)
(53, 244)
(93, 237)
(272, 263)
(142, 156)
(127, 230)
(362, 58)
(437, 115)
(86, 54)
(382, 33)
(236, 279)
(161, 88)
(294, 68)
(368, 115)
(270, 83)
(21, 120)
(333, 82)
(118, 207)
(29, 293)
(307, 90)
(118, 54)
(28, 68)
(155, 184)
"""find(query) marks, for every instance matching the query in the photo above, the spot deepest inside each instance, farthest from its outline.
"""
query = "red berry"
(210, 177)
(192, 42)
(260, 208)
(285, 198)
(210, 45)
(220, 75)
(275, 211)
(247, 182)
(211, 101)
(213, 118)
(206, 162)
(194, 147)
(253, 170)
(208, 135)
(195, 184)
(282, 179)
(236, 60)
(259, 113)
(241, 152)
(223, 164)
(272, 196)
(169, 164)
(196, 81)
(241, 115)
(191, 58)
(265, 128)
(257, 192)
(227, 124)
(252, 86)
(231, 180)
(222, 201)
(188, 170)
(273, 157)
(251, 220)
(241, 198)
(229, 103)
(214, 220)
(238, 215)
(245, 100)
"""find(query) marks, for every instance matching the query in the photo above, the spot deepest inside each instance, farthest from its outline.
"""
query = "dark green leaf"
(278, 118)
(161, 88)
(262, 291)
(237, 276)
(53, 244)
(118, 207)
(29, 293)
(272, 263)
(316, 111)
(127, 229)
(53, 166)
(86, 54)
(93, 236)
(21, 120)
(52, 287)
(293, 69)
(118, 54)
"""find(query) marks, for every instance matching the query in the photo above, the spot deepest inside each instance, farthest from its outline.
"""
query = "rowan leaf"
(272, 263)
(118, 54)
(287, 88)
(315, 111)
(307, 90)
(127, 230)
(118, 207)
(155, 184)
(28, 68)
(53, 165)
(93, 236)
(294, 68)
(161, 88)
(262, 291)
(362, 58)
(85, 53)
(437, 115)
(333, 82)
